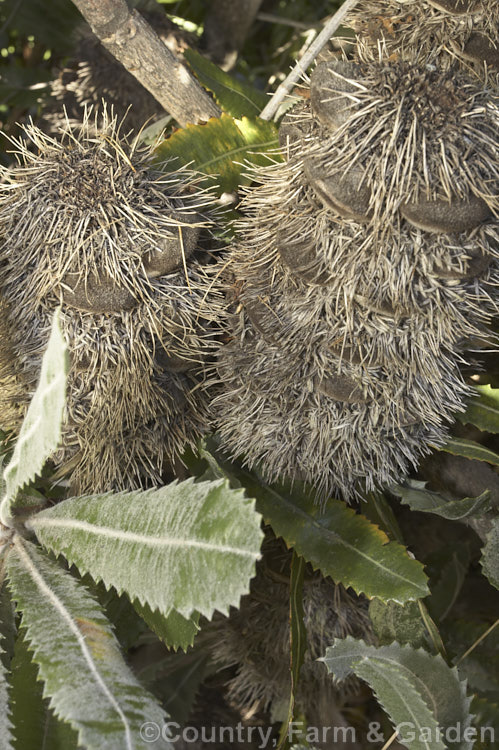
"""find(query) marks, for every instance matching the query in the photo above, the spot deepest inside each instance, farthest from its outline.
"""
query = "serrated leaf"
(482, 410)
(175, 630)
(8, 630)
(416, 724)
(432, 692)
(35, 726)
(85, 677)
(220, 149)
(414, 494)
(127, 624)
(336, 540)
(490, 555)
(6, 737)
(41, 429)
(232, 95)
(187, 546)
(394, 622)
(469, 449)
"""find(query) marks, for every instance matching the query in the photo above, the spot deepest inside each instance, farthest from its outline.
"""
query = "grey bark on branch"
(134, 43)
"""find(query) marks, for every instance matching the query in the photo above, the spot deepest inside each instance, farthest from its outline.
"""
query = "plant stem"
(307, 58)
(133, 42)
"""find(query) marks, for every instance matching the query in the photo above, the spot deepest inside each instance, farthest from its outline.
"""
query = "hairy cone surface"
(366, 265)
(88, 224)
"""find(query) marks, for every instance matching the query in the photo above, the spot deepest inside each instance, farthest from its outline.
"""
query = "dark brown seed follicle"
(170, 256)
(341, 388)
(460, 215)
(327, 84)
(301, 259)
(295, 127)
(480, 49)
(96, 294)
(345, 195)
(262, 318)
(171, 362)
(476, 266)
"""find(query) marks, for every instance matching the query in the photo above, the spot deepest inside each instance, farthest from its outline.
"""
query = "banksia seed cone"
(254, 639)
(13, 396)
(432, 32)
(365, 266)
(87, 223)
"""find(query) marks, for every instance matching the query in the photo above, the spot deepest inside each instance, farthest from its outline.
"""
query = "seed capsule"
(341, 388)
(346, 194)
(96, 294)
(173, 251)
(331, 83)
(452, 217)
(480, 49)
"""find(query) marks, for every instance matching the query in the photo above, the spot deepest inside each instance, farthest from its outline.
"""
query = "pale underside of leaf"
(35, 726)
(6, 737)
(438, 685)
(402, 702)
(187, 546)
(85, 677)
(41, 429)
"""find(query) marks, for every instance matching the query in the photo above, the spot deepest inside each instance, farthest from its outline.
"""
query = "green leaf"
(175, 630)
(336, 540)
(179, 682)
(5, 718)
(187, 546)
(41, 430)
(220, 148)
(394, 622)
(416, 689)
(35, 726)
(445, 591)
(233, 96)
(127, 624)
(8, 629)
(298, 639)
(85, 677)
(399, 697)
(379, 511)
(414, 494)
(490, 555)
(483, 410)
(469, 449)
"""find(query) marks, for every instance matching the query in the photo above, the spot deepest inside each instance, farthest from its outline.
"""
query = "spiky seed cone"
(89, 224)
(350, 318)
(442, 33)
(254, 639)
(419, 123)
(13, 395)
